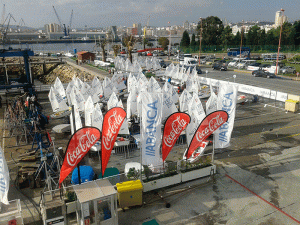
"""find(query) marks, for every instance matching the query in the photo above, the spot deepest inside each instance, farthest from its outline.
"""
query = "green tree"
(185, 40)
(102, 44)
(237, 38)
(212, 30)
(271, 38)
(145, 42)
(193, 41)
(116, 49)
(227, 36)
(262, 37)
(243, 36)
(288, 33)
(129, 42)
(253, 35)
(164, 42)
(297, 32)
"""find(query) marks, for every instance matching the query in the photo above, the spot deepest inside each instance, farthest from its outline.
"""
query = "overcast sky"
(97, 13)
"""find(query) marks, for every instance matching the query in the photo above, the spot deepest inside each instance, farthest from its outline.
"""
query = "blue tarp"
(86, 174)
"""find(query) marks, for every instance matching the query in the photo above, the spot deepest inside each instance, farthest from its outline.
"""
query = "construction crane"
(3, 15)
(70, 24)
(66, 29)
(145, 32)
(4, 32)
(19, 26)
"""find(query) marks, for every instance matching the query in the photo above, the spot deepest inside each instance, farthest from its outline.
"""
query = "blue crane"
(66, 29)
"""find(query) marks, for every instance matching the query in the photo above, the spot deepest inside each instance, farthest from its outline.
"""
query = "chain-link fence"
(254, 48)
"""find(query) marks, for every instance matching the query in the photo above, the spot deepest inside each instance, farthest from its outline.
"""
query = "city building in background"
(186, 25)
(138, 26)
(280, 18)
(52, 28)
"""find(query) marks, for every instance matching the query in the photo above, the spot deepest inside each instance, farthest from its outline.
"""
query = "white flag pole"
(213, 153)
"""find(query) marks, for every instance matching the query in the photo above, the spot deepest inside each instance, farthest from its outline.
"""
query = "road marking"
(281, 128)
(297, 221)
(293, 135)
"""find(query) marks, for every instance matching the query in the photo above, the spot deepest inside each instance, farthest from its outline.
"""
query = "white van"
(272, 69)
(189, 62)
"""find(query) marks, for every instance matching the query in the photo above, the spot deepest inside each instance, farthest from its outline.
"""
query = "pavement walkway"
(265, 193)
(89, 69)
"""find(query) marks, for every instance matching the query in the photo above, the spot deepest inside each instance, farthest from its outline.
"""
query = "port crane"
(5, 29)
(20, 25)
(66, 29)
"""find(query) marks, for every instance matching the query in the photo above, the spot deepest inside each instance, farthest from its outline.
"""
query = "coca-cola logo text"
(114, 123)
(86, 141)
(177, 126)
(213, 124)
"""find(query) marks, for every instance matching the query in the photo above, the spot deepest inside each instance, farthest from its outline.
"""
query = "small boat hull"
(60, 114)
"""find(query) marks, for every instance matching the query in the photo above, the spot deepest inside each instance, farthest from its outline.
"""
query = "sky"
(97, 13)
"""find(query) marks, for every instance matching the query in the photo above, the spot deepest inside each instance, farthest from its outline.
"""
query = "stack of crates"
(130, 193)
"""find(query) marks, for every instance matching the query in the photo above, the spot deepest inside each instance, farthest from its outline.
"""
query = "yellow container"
(291, 105)
(130, 193)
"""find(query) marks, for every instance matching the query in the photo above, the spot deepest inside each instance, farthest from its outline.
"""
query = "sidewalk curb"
(243, 71)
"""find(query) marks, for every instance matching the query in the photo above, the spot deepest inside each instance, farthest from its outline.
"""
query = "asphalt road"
(285, 85)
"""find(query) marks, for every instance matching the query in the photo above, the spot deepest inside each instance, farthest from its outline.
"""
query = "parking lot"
(257, 180)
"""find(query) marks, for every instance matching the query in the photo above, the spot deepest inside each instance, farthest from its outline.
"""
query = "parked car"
(262, 66)
(234, 62)
(219, 66)
(220, 61)
(254, 66)
(244, 63)
(262, 73)
(161, 54)
(256, 57)
(288, 69)
(162, 63)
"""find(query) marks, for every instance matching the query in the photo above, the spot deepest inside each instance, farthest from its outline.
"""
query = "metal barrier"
(126, 148)
(181, 140)
(44, 87)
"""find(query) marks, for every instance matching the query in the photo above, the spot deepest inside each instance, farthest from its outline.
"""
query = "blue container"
(75, 50)
(86, 174)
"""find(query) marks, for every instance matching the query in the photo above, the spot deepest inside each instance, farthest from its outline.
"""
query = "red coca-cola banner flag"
(174, 125)
(208, 125)
(79, 145)
(112, 123)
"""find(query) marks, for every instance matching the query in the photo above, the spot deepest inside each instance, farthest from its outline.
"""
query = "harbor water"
(70, 47)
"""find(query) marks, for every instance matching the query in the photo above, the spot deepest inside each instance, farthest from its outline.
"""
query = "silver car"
(288, 69)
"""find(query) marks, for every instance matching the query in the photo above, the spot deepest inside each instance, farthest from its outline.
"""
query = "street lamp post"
(169, 41)
(242, 34)
(282, 10)
(200, 39)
